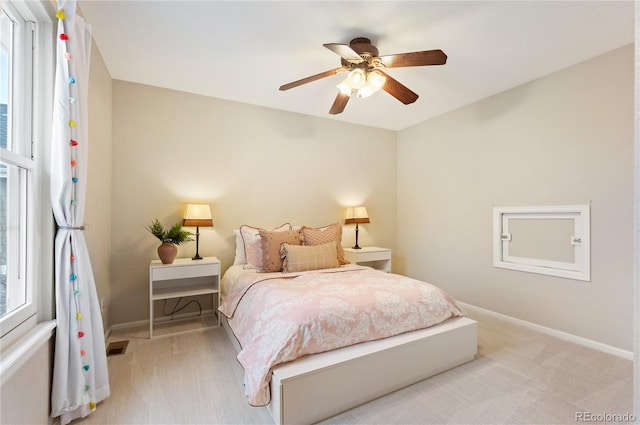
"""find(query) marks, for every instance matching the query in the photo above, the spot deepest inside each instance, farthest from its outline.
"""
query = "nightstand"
(372, 256)
(184, 278)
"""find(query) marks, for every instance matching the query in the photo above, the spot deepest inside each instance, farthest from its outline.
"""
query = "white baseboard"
(128, 325)
(627, 355)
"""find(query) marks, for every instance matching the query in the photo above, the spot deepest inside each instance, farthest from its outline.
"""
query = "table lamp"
(356, 215)
(198, 215)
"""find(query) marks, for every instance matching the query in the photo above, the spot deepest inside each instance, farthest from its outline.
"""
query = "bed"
(317, 336)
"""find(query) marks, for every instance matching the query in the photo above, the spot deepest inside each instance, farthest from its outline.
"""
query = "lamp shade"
(198, 215)
(356, 215)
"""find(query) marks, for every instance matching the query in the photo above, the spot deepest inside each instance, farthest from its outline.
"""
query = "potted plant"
(170, 239)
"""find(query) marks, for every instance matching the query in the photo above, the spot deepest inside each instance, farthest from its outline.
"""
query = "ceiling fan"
(365, 71)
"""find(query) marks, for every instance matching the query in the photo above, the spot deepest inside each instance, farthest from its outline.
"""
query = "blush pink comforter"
(280, 317)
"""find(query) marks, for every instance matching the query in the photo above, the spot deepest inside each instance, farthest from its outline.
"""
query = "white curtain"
(80, 376)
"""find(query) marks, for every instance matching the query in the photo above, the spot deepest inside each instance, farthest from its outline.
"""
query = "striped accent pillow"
(301, 258)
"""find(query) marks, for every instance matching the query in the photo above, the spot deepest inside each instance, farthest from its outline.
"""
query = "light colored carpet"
(519, 377)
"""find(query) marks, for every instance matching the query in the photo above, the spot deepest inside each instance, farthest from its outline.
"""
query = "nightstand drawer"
(378, 258)
(373, 256)
(178, 272)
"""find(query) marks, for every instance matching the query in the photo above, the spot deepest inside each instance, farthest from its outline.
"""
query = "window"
(552, 240)
(26, 46)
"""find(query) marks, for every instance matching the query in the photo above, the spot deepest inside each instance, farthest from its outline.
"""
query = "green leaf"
(175, 234)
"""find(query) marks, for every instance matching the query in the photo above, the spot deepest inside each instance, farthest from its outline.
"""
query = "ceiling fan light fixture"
(344, 87)
(366, 91)
(376, 80)
(365, 77)
(356, 79)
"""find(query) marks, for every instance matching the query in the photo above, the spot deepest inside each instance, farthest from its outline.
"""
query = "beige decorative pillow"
(322, 235)
(271, 242)
(309, 257)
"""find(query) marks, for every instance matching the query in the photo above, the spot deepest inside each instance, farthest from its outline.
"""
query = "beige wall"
(25, 396)
(98, 206)
(561, 140)
(253, 166)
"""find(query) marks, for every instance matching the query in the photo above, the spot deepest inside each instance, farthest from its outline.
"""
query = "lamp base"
(197, 256)
(356, 245)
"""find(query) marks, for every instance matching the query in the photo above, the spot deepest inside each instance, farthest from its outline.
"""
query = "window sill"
(17, 354)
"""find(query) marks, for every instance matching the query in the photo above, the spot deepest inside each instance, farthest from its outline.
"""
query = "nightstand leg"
(215, 301)
(150, 319)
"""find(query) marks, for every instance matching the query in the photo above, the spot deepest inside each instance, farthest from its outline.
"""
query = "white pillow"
(240, 257)
(248, 244)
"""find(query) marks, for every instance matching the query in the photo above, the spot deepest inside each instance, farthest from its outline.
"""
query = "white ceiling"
(243, 51)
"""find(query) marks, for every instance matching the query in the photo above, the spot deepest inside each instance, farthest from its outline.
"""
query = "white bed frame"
(319, 386)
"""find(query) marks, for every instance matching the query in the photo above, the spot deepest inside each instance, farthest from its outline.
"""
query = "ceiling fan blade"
(344, 51)
(427, 57)
(398, 90)
(339, 104)
(312, 78)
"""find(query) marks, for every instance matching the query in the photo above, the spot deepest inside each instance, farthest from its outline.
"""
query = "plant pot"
(167, 252)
